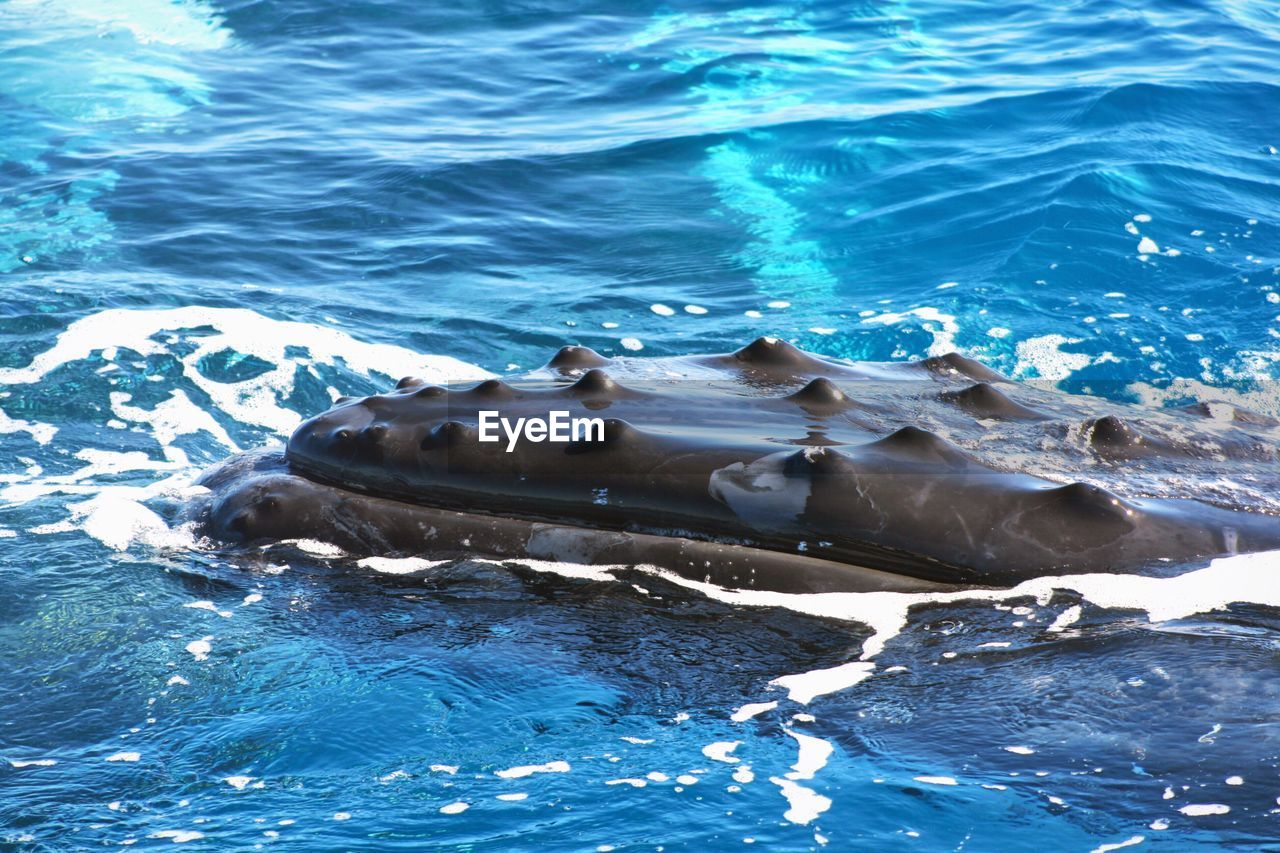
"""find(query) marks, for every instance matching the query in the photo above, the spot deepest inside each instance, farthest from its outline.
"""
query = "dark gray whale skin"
(768, 468)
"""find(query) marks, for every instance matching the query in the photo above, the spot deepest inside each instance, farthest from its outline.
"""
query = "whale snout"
(275, 506)
(332, 442)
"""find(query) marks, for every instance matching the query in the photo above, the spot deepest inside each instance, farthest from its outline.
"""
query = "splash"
(116, 514)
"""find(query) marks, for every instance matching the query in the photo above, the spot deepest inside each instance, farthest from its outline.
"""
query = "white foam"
(632, 344)
(116, 514)
(1204, 809)
(1065, 619)
(806, 686)
(1019, 750)
(248, 333)
(937, 780)
(576, 571)
(804, 804)
(943, 327)
(752, 709)
(42, 433)
(171, 418)
(178, 836)
(513, 798)
(529, 769)
(188, 24)
(315, 547)
(721, 751)
(200, 649)
(239, 782)
(455, 808)
(1244, 578)
(813, 755)
(1042, 357)
(34, 762)
(635, 783)
(127, 757)
(399, 565)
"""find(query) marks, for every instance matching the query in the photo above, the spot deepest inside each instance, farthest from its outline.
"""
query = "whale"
(767, 468)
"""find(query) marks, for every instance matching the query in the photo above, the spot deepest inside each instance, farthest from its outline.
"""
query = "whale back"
(939, 468)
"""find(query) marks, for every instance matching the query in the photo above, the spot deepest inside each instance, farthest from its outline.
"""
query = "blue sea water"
(216, 215)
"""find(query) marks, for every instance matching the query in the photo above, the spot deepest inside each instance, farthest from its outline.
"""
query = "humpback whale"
(768, 468)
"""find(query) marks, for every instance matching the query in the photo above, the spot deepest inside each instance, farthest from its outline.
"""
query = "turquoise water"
(215, 216)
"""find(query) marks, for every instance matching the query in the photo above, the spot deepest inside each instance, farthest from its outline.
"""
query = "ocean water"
(216, 216)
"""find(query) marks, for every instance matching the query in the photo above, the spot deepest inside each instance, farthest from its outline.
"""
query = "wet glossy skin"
(777, 450)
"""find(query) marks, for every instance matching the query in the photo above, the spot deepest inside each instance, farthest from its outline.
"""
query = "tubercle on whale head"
(330, 442)
(574, 357)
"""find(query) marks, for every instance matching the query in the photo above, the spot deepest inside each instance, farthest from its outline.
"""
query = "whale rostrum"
(768, 467)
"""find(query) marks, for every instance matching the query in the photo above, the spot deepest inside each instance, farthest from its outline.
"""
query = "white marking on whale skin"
(759, 492)
(566, 545)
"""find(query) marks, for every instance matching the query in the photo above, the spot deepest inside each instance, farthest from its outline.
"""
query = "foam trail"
(1238, 579)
